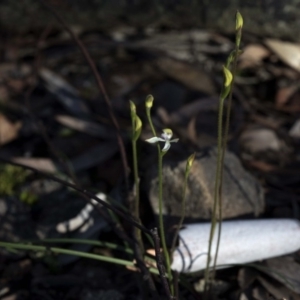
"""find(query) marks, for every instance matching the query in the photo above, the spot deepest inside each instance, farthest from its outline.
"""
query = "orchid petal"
(174, 141)
(154, 140)
(166, 147)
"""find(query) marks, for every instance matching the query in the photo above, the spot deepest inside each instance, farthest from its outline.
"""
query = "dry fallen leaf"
(277, 290)
(286, 270)
(186, 45)
(187, 75)
(41, 164)
(65, 93)
(284, 94)
(190, 110)
(261, 165)
(8, 131)
(191, 130)
(256, 140)
(246, 277)
(91, 128)
(289, 53)
(253, 56)
(259, 293)
(295, 130)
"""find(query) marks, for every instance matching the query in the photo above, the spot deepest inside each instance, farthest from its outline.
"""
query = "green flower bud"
(189, 162)
(149, 101)
(227, 77)
(137, 128)
(238, 21)
(132, 109)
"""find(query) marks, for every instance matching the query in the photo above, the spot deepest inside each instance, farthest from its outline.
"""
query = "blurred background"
(54, 118)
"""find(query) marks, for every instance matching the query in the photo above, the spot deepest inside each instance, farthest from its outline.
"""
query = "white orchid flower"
(165, 137)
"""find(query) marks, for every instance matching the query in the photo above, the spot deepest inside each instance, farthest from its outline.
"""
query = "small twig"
(175, 283)
(145, 271)
(160, 264)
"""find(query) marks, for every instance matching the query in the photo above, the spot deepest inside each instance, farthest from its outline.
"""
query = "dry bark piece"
(242, 194)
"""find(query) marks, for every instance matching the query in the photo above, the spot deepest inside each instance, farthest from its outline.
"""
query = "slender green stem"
(86, 242)
(160, 206)
(108, 259)
(161, 221)
(219, 173)
(188, 167)
(183, 204)
(216, 191)
(67, 251)
(90, 242)
(224, 143)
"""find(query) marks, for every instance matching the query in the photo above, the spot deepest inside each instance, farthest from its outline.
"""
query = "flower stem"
(216, 192)
(183, 203)
(161, 220)
(160, 205)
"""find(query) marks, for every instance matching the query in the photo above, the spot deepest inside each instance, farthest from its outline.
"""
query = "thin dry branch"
(100, 84)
